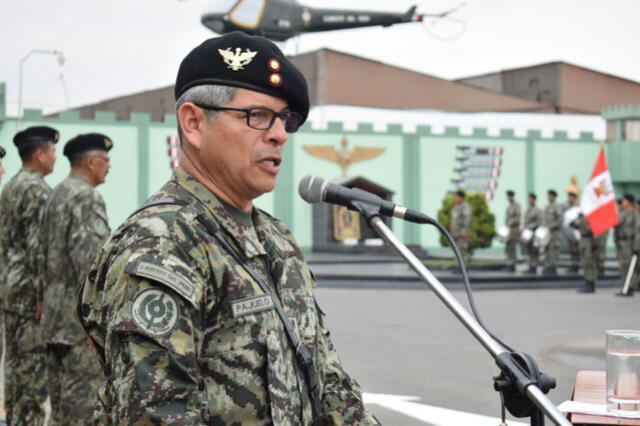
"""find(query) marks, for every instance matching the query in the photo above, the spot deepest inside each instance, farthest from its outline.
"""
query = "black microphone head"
(311, 188)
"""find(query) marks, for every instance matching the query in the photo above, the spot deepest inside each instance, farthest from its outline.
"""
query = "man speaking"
(201, 305)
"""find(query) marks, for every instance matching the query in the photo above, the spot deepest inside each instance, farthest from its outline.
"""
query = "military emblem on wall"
(343, 157)
(478, 169)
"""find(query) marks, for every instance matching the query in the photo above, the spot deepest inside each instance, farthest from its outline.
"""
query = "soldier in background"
(75, 227)
(572, 244)
(2, 154)
(627, 239)
(21, 208)
(512, 220)
(600, 242)
(461, 225)
(553, 221)
(532, 220)
(2, 269)
(587, 254)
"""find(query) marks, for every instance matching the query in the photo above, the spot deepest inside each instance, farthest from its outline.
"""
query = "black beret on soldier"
(552, 192)
(532, 195)
(460, 193)
(87, 142)
(629, 197)
(510, 193)
(2, 152)
(35, 134)
(247, 62)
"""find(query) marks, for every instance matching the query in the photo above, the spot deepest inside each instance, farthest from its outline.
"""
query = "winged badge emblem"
(344, 157)
(236, 60)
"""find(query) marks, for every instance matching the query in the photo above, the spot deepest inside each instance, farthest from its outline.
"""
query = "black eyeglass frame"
(285, 116)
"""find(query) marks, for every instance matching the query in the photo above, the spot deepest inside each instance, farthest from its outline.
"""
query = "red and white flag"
(598, 202)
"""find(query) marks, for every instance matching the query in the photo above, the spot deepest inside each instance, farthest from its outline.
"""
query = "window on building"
(631, 130)
(611, 131)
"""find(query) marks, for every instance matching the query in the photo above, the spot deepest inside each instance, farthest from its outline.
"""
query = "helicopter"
(280, 20)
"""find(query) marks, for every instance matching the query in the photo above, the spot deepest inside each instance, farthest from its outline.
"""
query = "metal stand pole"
(494, 348)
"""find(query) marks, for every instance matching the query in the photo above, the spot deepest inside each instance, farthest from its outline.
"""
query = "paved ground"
(405, 342)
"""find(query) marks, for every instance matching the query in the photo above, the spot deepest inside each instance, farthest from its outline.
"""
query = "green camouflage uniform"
(75, 227)
(587, 249)
(627, 239)
(512, 220)
(572, 245)
(461, 222)
(553, 221)
(189, 337)
(21, 209)
(532, 220)
(601, 249)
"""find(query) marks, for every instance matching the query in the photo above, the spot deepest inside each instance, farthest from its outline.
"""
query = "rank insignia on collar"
(236, 60)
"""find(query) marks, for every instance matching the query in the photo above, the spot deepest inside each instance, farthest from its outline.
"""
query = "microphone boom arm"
(514, 374)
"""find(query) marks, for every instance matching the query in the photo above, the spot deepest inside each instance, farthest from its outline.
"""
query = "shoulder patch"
(155, 312)
(164, 275)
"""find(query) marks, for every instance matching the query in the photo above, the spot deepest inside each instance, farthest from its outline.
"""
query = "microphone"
(314, 189)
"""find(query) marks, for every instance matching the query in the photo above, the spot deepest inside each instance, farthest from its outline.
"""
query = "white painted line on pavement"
(429, 414)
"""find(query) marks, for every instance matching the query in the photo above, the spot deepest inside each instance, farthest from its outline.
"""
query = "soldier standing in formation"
(574, 249)
(553, 221)
(600, 242)
(512, 220)
(21, 209)
(587, 254)
(532, 220)
(627, 239)
(2, 269)
(75, 227)
(461, 225)
(201, 306)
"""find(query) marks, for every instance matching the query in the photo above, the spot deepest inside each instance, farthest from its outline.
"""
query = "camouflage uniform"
(553, 220)
(461, 222)
(627, 238)
(572, 245)
(512, 220)
(187, 335)
(601, 250)
(75, 227)
(587, 249)
(21, 209)
(532, 220)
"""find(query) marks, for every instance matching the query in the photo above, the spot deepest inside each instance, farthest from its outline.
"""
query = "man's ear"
(191, 120)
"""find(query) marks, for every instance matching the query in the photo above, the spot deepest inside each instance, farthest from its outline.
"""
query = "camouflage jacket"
(553, 215)
(533, 218)
(21, 209)
(513, 215)
(74, 229)
(582, 225)
(187, 336)
(627, 233)
(461, 219)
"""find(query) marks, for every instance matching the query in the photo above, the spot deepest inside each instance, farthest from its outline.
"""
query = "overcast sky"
(117, 47)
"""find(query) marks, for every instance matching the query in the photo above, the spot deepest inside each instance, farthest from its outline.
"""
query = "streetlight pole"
(60, 57)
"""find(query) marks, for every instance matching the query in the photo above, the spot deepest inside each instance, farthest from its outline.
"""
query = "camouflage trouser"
(587, 255)
(601, 245)
(534, 254)
(625, 253)
(25, 375)
(74, 377)
(463, 245)
(511, 245)
(552, 250)
(574, 252)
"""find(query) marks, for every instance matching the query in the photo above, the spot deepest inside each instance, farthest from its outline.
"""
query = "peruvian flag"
(598, 202)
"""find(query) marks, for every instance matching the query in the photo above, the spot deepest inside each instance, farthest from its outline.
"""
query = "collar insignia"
(236, 60)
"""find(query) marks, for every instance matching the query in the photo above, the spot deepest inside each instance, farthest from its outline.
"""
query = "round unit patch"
(155, 312)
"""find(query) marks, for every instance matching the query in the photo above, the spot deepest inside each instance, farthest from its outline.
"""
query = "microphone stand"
(520, 383)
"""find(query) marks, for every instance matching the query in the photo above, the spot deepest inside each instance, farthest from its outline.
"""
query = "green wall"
(416, 166)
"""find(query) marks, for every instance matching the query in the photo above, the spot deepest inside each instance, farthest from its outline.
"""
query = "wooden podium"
(591, 387)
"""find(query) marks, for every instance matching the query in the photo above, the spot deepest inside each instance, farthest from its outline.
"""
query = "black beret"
(629, 197)
(87, 142)
(34, 134)
(460, 194)
(552, 192)
(572, 194)
(511, 193)
(532, 195)
(249, 62)
(2, 152)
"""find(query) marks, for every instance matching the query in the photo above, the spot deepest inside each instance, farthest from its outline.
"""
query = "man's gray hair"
(211, 94)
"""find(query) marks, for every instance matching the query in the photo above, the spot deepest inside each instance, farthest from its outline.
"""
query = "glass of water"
(623, 371)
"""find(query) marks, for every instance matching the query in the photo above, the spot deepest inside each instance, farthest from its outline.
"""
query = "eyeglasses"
(261, 118)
